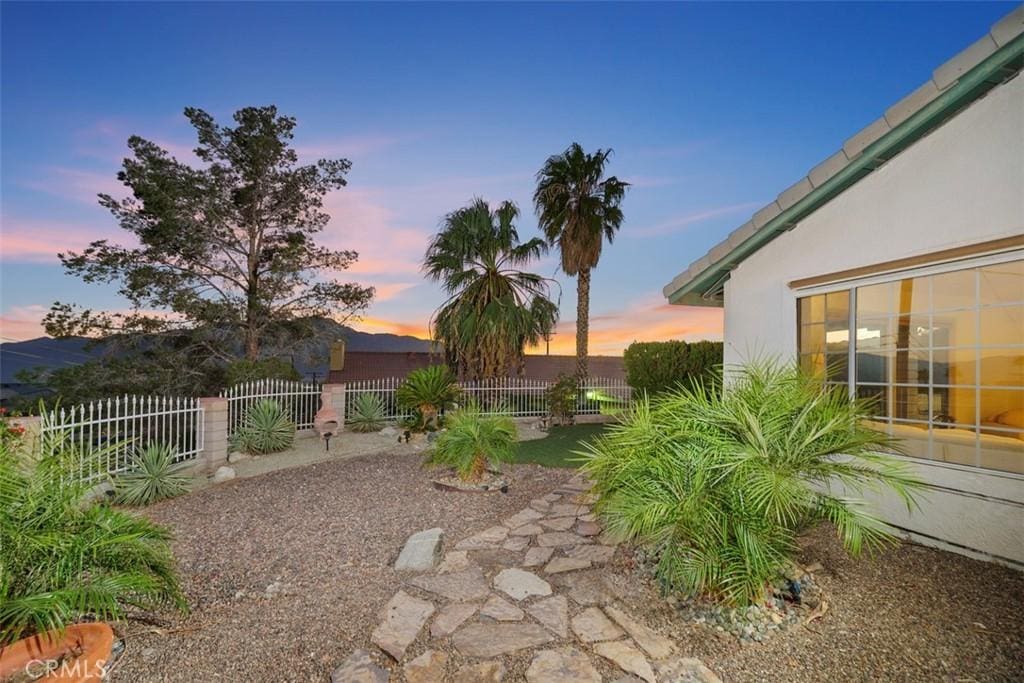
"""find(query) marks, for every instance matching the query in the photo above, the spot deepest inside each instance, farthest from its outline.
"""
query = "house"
(896, 269)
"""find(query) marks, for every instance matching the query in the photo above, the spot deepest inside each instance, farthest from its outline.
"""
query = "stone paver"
(519, 584)
(540, 505)
(359, 668)
(421, 552)
(587, 587)
(553, 612)
(537, 556)
(526, 530)
(588, 528)
(488, 538)
(591, 625)
(649, 640)
(598, 554)
(558, 523)
(454, 561)
(567, 665)
(464, 586)
(627, 658)
(451, 617)
(685, 670)
(427, 668)
(491, 640)
(484, 672)
(567, 509)
(522, 517)
(557, 539)
(516, 544)
(565, 564)
(500, 609)
(404, 616)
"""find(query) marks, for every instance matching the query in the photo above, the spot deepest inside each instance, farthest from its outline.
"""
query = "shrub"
(367, 413)
(64, 559)
(428, 390)
(153, 476)
(471, 441)
(265, 429)
(656, 367)
(245, 370)
(723, 482)
(561, 400)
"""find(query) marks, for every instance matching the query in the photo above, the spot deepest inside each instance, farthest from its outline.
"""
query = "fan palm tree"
(578, 209)
(494, 310)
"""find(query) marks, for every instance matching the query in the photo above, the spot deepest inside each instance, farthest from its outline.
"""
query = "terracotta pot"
(49, 651)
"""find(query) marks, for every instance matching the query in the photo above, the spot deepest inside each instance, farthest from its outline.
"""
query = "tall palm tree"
(494, 310)
(578, 209)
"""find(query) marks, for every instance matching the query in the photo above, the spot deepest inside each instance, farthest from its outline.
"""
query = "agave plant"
(428, 390)
(472, 441)
(65, 559)
(153, 476)
(265, 429)
(722, 482)
(367, 413)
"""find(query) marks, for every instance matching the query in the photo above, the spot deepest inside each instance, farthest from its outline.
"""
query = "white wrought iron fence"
(299, 400)
(513, 396)
(108, 433)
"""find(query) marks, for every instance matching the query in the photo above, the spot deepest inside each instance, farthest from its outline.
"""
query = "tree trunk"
(582, 321)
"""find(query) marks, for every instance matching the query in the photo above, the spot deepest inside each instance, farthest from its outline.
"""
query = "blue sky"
(711, 109)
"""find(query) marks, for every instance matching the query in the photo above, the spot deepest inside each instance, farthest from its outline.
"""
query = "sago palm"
(494, 309)
(472, 440)
(578, 209)
(428, 391)
(722, 482)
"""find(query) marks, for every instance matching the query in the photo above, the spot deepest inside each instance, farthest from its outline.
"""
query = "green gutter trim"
(969, 87)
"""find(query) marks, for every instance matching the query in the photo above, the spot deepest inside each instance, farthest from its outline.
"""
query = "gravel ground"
(328, 533)
(909, 614)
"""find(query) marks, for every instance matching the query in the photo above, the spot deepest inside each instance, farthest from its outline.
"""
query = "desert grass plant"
(428, 390)
(722, 482)
(473, 441)
(367, 413)
(153, 476)
(65, 559)
(265, 428)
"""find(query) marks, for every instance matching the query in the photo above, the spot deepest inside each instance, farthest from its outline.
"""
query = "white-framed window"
(938, 350)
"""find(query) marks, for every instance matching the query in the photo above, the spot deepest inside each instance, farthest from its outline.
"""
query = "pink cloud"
(348, 147)
(38, 240)
(683, 222)
(18, 323)
(77, 185)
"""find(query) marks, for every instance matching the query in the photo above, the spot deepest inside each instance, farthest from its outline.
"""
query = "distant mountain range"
(310, 356)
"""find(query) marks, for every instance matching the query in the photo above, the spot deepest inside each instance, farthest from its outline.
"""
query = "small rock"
(427, 668)
(553, 612)
(537, 556)
(404, 616)
(148, 653)
(813, 567)
(223, 473)
(359, 668)
(499, 609)
(235, 456)
(451, 617)
(565, 564)
(567, 665)
(388, 431)
(484, 672)
(492, 640)
(519, 584)
(591, 625)
(627, 658)
(421, 552)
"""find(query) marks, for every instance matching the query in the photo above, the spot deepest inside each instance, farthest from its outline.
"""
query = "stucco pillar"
(215, 435)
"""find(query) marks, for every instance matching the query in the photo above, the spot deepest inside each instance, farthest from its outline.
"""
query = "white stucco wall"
(960, 185)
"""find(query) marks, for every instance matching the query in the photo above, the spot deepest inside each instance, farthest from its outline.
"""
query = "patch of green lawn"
(556, 449)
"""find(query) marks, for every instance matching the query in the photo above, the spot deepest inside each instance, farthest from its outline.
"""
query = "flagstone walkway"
(532, 586)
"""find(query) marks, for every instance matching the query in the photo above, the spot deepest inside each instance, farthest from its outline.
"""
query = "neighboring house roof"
(992, 60)
(362, 365)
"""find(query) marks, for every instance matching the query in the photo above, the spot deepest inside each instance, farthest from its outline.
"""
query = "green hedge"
(655, 367)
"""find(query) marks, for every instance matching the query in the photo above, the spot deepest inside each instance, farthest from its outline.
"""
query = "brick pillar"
(337, 395)
(215, 435)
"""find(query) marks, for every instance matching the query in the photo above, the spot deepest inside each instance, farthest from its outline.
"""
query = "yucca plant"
(153, 476)
(367, 413)
(722, 482)
(428, 390)
(472, 441)
(65, 559)
(265, 428)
